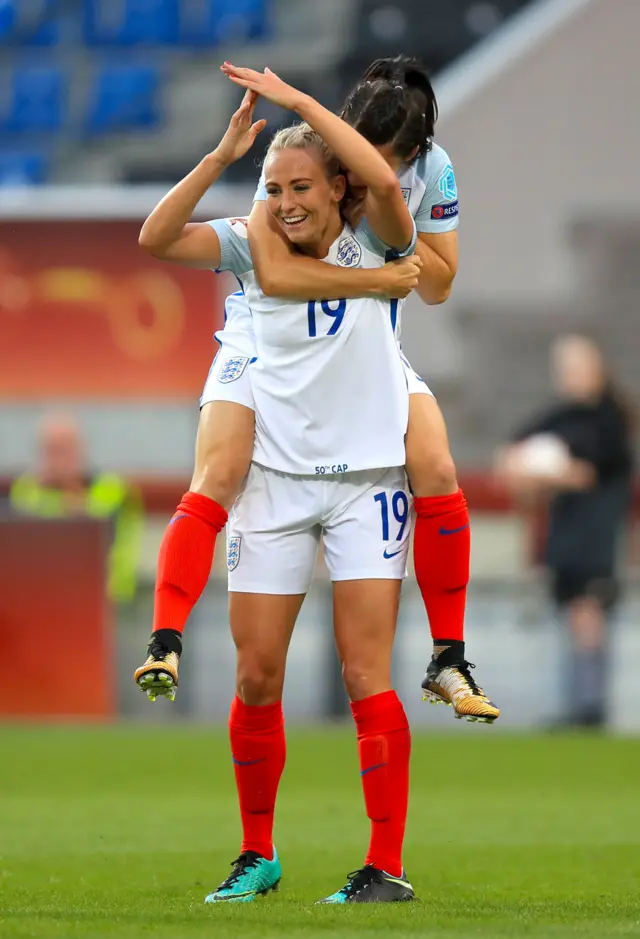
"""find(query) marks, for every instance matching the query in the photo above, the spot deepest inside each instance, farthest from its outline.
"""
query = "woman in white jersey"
(394, 108)
(332, 407)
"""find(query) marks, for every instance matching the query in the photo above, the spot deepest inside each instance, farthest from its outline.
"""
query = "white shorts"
(276, 524)
(228, 378)
(415, 384)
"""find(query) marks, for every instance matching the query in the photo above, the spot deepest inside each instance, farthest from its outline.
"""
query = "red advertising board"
(85, 313)
(55, 627)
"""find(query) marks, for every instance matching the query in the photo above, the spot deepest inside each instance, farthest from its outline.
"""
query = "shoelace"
(464, 671)
(162, 643)
(360, 879)
(240, 865)
(158, 650)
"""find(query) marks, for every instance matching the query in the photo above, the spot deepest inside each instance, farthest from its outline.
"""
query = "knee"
(220, 476)
(433, 475)
(362, 680)
(258, 680)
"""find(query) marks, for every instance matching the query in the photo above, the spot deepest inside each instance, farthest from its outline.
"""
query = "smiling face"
(303, 199)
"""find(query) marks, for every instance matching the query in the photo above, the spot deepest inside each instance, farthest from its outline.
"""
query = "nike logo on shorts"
(386, 554)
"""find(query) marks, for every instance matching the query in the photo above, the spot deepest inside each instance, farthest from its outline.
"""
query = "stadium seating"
(130, 22)
(174, 22)
(215, 22)
(123, 96)
(37, 100)
(29, 22)
(20, 168)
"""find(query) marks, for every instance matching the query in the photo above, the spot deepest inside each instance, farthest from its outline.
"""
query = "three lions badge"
(233, 552)
(232, 369)
(349, 252)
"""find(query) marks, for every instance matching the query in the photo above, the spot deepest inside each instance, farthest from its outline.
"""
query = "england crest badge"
(349, 252)
(233, 552)
(232, 369)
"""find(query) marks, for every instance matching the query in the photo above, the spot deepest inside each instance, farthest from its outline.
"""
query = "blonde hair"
(303, 137)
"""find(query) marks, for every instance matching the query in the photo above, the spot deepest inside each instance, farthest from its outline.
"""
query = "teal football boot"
(252, 876)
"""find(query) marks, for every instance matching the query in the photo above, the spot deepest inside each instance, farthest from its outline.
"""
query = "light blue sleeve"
(235, 254)
(438, 210)
(371, 241)
(261, 191)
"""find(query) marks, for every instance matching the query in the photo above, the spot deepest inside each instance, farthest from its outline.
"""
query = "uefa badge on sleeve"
(233, 552)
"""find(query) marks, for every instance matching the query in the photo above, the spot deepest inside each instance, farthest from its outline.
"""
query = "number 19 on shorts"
(399, 514)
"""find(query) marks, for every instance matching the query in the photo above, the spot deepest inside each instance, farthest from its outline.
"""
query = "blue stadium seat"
(7, 20)
(29, 22)
(123, 97)
(19, 168)
(130, 22)
(38, 98)
(215, 22)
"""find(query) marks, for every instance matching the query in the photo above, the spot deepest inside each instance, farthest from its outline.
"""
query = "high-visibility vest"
(107, 496)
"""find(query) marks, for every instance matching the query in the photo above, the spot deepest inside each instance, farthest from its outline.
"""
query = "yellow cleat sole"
(157, 683)
(432, 698)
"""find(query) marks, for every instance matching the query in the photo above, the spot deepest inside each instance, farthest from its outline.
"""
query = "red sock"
(185, 559)
(259, 751)
(384, 747)
(441, 549)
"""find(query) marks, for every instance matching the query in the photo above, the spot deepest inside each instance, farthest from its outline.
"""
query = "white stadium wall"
(541, 124)
(541, 129)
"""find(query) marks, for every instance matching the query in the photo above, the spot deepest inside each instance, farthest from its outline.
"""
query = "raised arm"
(385, 208)
(283, 272)
(167, 233)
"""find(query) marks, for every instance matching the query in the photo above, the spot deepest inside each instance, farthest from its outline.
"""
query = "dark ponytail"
(394, 103)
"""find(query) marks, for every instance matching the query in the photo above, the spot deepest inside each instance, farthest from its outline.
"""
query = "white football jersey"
(431, 193)
(327, 378)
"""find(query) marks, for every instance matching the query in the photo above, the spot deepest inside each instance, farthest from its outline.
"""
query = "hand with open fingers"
(241, 132)
(264, 83)
(401, 276)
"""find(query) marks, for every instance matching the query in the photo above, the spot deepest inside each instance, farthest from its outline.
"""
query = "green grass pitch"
(121, 831)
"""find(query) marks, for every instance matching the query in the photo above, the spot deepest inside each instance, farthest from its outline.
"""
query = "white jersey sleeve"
(435, 183)
(235, 254)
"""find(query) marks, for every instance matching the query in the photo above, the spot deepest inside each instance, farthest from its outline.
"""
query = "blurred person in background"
(577, 456)
(62, 486)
